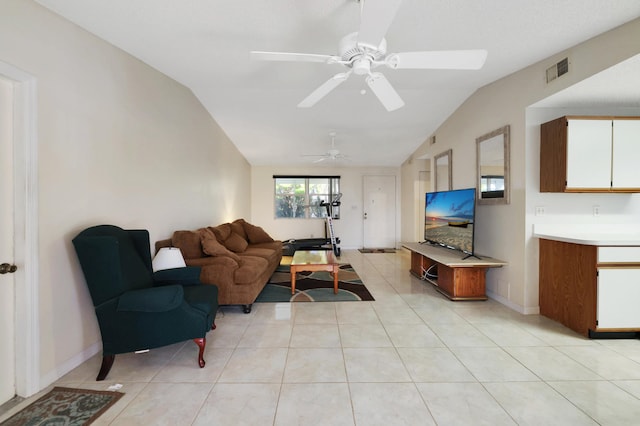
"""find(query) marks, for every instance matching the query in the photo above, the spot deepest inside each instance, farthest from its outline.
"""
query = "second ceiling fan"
(361, 52)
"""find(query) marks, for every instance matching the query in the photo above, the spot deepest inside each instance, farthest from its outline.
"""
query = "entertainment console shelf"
(457, 279)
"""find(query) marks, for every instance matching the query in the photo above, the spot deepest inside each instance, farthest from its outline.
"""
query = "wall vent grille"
(557, 70)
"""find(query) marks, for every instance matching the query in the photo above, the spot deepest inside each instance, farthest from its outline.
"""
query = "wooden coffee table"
(314, 260)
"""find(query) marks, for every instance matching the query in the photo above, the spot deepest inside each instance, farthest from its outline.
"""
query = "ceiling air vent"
(557, 70)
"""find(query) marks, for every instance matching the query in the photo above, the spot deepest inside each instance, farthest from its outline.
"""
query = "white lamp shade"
(168, 258)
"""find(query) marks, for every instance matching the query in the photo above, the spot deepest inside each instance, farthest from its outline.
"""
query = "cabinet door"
(626, 151)
(589, 154)
(619, 298)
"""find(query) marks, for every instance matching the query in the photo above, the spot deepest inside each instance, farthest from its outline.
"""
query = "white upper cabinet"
(589, 154)
(626, 154)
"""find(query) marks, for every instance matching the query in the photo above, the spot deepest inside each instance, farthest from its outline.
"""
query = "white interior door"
(7, 287)
(379, 211)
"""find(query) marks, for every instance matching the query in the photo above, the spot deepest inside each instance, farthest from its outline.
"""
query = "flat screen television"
(449, 219)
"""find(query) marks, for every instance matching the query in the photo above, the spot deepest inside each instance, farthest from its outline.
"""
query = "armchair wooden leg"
(107, 363)
(201, 342)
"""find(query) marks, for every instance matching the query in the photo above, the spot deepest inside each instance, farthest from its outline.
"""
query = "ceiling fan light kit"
(366, 49)
(332, 154)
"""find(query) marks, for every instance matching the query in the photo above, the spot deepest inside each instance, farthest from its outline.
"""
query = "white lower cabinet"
(618, 301)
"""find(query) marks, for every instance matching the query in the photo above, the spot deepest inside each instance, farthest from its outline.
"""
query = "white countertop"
(593, 235)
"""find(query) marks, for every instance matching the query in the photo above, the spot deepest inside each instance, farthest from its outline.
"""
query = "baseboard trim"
(70, 364)
(520, 309)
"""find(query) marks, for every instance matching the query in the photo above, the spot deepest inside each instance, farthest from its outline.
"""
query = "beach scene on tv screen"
(449, 218)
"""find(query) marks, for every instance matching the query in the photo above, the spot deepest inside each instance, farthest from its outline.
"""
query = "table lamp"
(168, 258)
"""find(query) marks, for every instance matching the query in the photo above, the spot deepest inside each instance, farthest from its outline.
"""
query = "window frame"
(333, 184)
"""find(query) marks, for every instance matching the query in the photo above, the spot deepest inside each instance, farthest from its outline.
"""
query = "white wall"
(119, 143)
(504, 231)
(413, 198)
(348, 228)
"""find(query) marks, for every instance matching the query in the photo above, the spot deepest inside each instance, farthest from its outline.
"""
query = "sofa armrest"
(183, 276)
(218, 270)
(154, 299)
(163, 243)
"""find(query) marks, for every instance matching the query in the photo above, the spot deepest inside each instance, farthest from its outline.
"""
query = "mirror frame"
(505, 132)
(448, 156)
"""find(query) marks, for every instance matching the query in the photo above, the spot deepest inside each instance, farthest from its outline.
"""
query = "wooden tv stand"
(456, 278)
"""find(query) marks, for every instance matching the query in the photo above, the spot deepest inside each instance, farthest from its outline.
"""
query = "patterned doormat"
(65, 406)
(314, 286)
(376, 250)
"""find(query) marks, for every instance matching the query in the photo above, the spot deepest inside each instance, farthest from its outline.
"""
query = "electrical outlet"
(539, 210)
(596, 210)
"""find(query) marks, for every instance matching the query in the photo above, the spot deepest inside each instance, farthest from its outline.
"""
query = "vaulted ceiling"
(206, 45)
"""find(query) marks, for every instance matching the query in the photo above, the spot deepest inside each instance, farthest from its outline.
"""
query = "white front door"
(7, 287)
(379, 211)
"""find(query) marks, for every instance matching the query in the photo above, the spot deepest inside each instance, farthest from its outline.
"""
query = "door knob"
(6, 268)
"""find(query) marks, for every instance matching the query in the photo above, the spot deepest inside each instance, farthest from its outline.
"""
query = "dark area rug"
(314, 287)
(376, 250)
(65, 406)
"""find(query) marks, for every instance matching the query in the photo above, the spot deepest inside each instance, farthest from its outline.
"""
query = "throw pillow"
(236, 243)
(212, 247)
(256, 234)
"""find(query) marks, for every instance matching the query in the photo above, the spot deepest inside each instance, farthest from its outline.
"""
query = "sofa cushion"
(189, 244)
(235, 243)
(212, 247)
(222, 232)
(255, 234)
(237, 226)
(269, 255)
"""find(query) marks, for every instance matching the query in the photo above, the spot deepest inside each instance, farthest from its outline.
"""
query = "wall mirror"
(442, 166)
(492, 156)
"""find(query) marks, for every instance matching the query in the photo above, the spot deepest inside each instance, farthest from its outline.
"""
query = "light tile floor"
(411, 357)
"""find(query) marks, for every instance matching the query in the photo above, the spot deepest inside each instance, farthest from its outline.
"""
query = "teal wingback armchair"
(136, 308)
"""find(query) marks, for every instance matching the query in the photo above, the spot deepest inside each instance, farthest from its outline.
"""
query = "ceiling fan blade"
(324, 89)
(375, 19)
(291, 57)
(385, 92)
(319, 160)
(443, 59)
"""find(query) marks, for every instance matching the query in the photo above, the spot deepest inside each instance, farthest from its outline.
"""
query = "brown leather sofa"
(238, 257)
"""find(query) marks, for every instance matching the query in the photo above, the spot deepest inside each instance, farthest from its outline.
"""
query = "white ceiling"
(205, 45)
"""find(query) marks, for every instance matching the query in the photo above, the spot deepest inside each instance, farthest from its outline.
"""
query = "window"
(492, 186)
(491, 183)
(306, 197)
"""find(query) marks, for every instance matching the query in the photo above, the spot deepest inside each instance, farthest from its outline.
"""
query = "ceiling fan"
(332, 154)
(362, 51)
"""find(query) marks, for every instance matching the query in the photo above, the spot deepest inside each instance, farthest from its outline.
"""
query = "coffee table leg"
(293, 280)
(335, 279)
